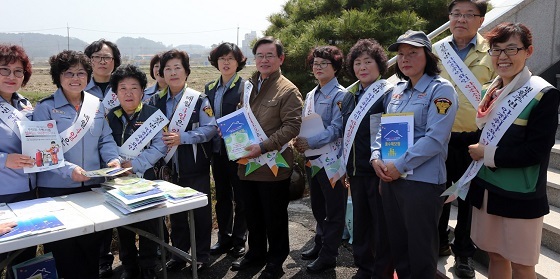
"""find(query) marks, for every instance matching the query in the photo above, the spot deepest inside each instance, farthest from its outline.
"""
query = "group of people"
(451, 89)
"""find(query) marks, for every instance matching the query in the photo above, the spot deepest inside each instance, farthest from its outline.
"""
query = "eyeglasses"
(226, 59)
(510, 51)
(72, 75)
(459, 15)
(262, 56)
(97, 59)
(17, 72)
(321, 65)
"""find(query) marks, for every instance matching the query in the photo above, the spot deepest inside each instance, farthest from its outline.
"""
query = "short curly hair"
(128, 71)
(175, 53)
(63, 61)
(10, 54)
(370, 47)
(225, 49)
(331, 53)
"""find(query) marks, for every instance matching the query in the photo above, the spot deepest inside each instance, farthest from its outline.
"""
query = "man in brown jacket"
(277, 104)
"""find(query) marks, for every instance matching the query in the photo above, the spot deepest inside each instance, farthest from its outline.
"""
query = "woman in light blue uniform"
(70, 71)
(160, 81)
(327, 202)
(15, 71)
(412, 202)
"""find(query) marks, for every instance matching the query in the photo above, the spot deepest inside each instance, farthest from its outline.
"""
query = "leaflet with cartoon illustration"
(41, 141)
(397, 135)
(237, 133)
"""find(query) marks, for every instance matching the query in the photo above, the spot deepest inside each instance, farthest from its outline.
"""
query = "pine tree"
(304, 24)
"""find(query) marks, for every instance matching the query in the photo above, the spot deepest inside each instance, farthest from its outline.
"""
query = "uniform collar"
(60, 100)
(120, 112)
(231, 83)
(328, 88)
(422, 84)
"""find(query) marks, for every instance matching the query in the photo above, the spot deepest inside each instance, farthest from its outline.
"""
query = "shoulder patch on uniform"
(442, 105)
(339, 104)
(208, 110)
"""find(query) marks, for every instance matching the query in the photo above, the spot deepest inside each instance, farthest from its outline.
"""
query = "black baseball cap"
(413, 38)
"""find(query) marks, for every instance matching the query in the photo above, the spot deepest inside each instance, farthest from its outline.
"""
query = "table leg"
(162, 248)
(193, 244)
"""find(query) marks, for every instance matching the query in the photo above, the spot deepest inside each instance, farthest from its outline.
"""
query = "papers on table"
(132, 194)
(32, 217)
(106, 172)
(133, 203)
(41, 141)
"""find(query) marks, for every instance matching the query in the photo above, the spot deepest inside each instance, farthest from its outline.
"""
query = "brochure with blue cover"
(237, 133)
(397, 135)
(43, 267)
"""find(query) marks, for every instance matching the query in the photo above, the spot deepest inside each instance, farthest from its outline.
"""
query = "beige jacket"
(277, 107)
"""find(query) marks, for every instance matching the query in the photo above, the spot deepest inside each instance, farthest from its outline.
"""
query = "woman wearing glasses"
(87, 145)
(328, 198)
(509, 191)
(15, 71)
(105, 59)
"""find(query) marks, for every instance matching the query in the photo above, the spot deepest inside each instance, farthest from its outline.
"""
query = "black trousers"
(457, 162)
(329, 209)
(146, 255)
(230, 208)
(105, 255)
(27, 253)
(180, 230)
(412, 211)
(267, 220)
(76, 257)
(370, 245)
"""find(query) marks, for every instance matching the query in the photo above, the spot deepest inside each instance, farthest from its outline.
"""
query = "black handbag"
(297, 183)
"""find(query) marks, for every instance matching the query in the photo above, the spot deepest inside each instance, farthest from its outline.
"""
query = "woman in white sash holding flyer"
(509, 190)
(15, 71)
(137, 130)
(414, 179)
(87, 144)
(328, 195)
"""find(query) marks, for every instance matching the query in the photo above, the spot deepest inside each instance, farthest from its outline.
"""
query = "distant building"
(246, 43)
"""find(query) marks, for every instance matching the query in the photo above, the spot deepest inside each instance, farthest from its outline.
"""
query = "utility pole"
(68, 35)
(237, 43)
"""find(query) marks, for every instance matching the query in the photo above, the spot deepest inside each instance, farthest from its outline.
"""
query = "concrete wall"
(543, 18)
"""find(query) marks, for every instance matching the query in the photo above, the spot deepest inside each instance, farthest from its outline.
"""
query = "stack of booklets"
(29, 218)
(176, 193)
(132, 194)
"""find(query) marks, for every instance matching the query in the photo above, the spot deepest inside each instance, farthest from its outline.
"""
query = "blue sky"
(203, 22)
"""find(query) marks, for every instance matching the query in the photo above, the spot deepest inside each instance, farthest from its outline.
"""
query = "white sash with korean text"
(330, 160)
(132, 147)
(10, 116)
(372, 94)
(79, 128)
(460, 73)
(268, 158)
(499, 120)
(182, 116)
(110, 101)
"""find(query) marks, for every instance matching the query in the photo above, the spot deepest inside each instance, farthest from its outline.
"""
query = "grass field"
(40, 85)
